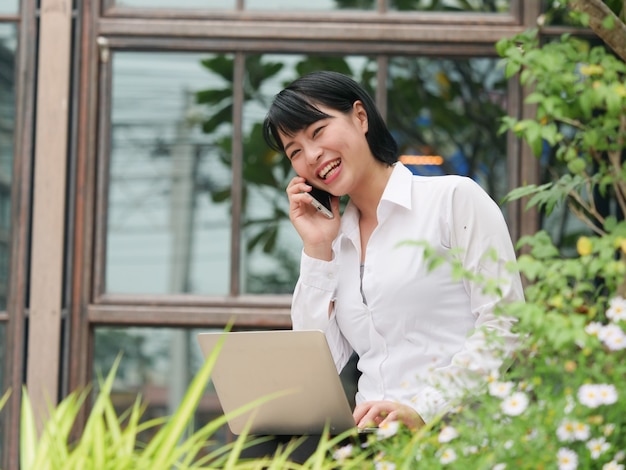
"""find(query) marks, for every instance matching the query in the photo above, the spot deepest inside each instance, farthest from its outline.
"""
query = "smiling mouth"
(328, 169)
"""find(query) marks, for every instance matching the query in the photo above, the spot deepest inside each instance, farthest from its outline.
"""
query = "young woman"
(420, 334)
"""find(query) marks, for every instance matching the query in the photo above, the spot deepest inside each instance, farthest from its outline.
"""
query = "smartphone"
(321, 201)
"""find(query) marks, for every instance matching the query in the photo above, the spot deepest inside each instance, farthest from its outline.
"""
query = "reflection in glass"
(9, 7)
(182, 4)
(319, 5)
(8, 43)
(2, 389)
(157, 364)
(449, 110)
(484, 6)
(168, 231)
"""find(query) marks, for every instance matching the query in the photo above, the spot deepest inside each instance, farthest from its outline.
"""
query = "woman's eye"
(317, 130)
(293, 154)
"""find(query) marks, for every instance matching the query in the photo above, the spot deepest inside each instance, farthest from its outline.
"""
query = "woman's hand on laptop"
(376, 413)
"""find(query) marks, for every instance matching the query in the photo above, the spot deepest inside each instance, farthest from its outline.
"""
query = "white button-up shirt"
(415, 330)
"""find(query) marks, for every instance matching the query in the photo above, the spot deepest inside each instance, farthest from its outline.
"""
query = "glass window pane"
(182, 4)
(168, 229)
(8, 42)
(293, 5)
(9, 7)
(2, 388)
(445, 116)
(271, 247)
(158, 364)
(479, 6)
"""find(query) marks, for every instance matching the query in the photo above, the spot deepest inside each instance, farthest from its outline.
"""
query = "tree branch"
(615, 38)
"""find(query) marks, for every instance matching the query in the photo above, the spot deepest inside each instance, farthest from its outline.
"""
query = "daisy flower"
(608, 394)
(617, 309)
(387, 429)
(616, 342)
(588, 395)
(581, 431)
(612, 465)
(447, 433)
(447, 456)
(613, 337)
(384, 465)
(567, 459)
(597, 447)
(500, 389)
(594, 328)
(515, 404)
(608, 429)
(343, 453)
(565, 431)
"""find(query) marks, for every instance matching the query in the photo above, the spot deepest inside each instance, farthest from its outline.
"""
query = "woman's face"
(327, 153)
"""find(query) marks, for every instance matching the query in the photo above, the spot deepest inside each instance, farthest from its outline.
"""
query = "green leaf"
(28, 434)
(608, 22)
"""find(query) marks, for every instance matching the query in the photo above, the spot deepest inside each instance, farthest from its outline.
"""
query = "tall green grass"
(112, 441)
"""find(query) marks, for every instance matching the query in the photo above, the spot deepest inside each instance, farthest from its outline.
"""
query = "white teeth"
(327, 169)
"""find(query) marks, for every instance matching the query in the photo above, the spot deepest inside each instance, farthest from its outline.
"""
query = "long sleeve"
(313, 305)
(478, 229)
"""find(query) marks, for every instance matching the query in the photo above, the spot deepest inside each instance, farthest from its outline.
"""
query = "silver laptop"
(295, 367)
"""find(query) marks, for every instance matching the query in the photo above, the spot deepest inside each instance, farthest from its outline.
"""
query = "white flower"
(499, 466)
(570, 431)
(493, 376)
(387, 429)
(567, 459)
(500, 389)
(594, 395)
(608, 394)
(616, 343)
(565, 431)
(597, 447)
(384, 465)
(447, 433)
(508, 444)
(620, 456)
(470, 450)
(612, 465)
(617, 309)
(514, 405)
(609, 330)
(594, 328)
(613, 337)
(608, 429)
(343, 453)
(581, 431)
(530, 435)
(447, 456)
(569, 405)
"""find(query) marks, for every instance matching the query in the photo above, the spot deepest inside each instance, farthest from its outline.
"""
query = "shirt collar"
(397, 192)
(398, 189)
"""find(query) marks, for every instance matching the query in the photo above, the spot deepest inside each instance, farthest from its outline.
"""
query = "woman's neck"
(371, 190)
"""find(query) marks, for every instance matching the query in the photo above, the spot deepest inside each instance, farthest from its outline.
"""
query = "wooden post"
(48, 227)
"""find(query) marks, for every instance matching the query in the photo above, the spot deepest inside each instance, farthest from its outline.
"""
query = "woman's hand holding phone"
(316, 230)
(321, 200)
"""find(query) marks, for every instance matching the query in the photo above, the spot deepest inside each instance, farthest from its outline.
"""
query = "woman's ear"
(360, 114)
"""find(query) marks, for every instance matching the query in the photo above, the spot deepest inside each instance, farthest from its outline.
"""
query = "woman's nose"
(313, 153)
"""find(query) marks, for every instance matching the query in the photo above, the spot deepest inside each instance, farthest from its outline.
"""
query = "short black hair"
(295, 108)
